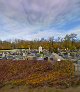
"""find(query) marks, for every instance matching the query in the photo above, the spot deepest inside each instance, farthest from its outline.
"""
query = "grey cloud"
(42, 12)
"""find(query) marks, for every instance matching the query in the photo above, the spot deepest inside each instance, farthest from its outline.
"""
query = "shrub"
(37, 73)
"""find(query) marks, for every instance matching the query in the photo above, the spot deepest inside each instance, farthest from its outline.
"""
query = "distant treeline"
(68, 42)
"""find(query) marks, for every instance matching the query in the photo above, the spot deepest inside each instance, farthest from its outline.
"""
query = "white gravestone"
(58, 59)
(40, 49)
(24, 54)
(29, 49)
(3, 54)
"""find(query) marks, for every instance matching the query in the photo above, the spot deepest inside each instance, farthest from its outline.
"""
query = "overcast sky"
(30, 19)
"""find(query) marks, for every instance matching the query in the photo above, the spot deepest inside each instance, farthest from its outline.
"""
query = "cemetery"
(40, 67)
(39, 45)
(39, 54)
(27, 54)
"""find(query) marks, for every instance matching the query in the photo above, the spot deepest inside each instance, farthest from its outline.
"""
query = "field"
(29, 76)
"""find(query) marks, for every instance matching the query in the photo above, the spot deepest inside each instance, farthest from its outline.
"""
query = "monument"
(40, 49)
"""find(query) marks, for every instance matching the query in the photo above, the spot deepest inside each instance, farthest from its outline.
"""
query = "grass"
(8, 88)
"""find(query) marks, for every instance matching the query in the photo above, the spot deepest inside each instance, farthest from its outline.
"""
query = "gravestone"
(3, 54)
(40, 49)
(29, 49)
(58, 59)
(78, 62)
